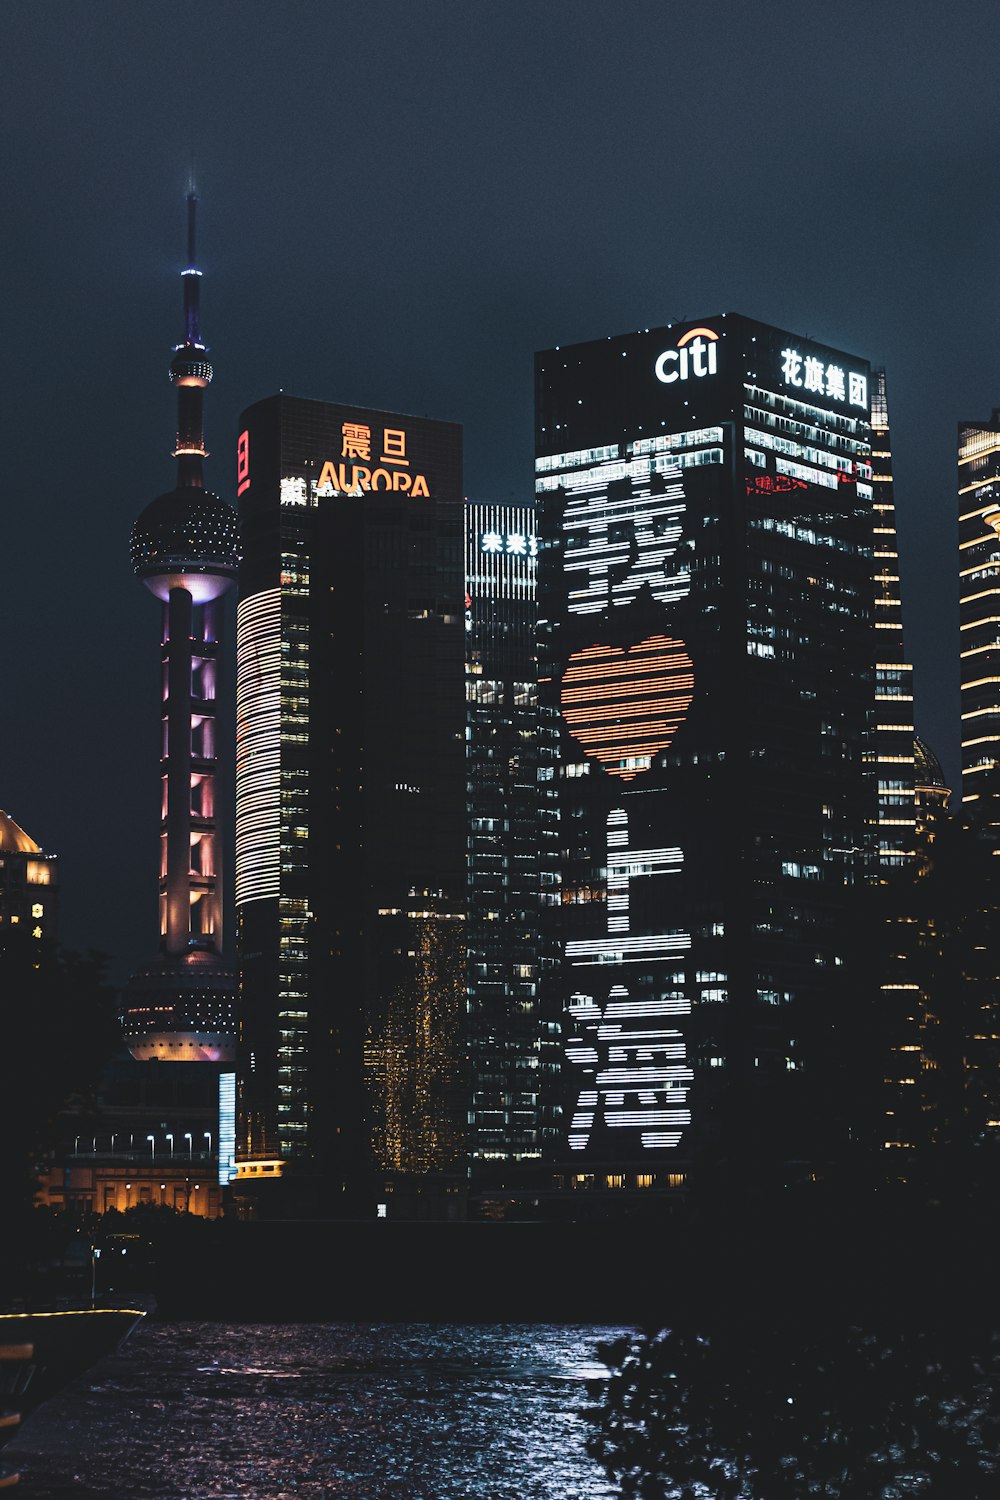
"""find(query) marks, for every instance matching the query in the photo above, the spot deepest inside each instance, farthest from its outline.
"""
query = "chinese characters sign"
(243, 463)
(512, 543)
(822, 379)
(371, 459)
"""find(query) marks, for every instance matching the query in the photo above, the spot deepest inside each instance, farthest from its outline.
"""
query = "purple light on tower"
(185, 548)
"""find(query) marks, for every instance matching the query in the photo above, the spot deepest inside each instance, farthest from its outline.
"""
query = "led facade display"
(707, 657)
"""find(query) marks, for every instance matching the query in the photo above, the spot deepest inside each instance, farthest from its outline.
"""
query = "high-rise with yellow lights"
(706, 519)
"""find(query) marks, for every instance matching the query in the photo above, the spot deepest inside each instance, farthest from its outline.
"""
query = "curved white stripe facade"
(258, 746)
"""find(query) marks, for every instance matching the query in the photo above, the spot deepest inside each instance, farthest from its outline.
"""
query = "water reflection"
(409, 1411)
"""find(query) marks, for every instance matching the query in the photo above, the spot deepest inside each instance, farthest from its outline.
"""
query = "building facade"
(350, 801)
(146, 1136)
(514, 1117)
(29, 889)
(707, 645)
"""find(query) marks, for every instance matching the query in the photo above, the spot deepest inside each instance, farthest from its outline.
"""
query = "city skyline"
(606, 200)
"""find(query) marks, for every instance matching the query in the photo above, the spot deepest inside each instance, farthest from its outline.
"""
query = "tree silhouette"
(755, 1407)
(58, 1029)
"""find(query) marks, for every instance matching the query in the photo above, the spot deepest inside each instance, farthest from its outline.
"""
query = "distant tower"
(185, 549)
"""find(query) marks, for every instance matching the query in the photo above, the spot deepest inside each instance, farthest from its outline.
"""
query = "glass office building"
(514, 1117)
(707, 648)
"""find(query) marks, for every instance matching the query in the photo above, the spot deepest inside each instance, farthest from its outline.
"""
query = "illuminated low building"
(147, 1135)
(99, 1182)
(350, 803)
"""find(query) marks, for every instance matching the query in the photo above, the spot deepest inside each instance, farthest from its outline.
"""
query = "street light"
(171, 1140)
(152, 1147)
(208, 1137)
(187, 1137)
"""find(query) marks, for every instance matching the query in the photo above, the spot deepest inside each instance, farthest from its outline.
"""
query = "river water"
(310, 1411)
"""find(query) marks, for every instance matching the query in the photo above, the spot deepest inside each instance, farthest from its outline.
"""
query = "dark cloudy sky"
(400, 203)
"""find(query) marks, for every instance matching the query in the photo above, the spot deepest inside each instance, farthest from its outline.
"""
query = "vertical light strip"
(894, 728)
(258, 746)
(979, 553)
(227, 1128)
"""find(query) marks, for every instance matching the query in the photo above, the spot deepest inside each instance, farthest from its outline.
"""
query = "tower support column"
(180, 615)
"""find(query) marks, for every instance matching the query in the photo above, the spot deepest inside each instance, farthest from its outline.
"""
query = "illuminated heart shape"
(624, 707)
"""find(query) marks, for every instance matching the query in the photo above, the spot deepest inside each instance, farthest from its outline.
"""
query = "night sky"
(400, 203)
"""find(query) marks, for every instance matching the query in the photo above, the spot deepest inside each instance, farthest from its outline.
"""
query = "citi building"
(707, 658)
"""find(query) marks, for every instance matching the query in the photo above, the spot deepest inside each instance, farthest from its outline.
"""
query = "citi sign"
(696, 356)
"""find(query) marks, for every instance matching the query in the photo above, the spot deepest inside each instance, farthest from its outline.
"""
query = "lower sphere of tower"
(181, 1009)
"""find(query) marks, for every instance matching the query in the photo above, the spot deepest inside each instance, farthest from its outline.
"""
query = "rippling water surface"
(209, 1411)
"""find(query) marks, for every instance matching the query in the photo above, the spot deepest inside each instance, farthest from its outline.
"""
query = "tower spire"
(192, 276)
(190, 369)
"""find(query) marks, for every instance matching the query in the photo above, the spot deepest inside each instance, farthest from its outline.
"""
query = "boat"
(40, 1352)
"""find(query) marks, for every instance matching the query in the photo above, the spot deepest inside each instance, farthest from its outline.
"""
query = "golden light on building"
(413, 1060)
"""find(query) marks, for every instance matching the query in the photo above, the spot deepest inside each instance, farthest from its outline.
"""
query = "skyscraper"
(894, 743)
(514, 1052)
(350, 802)
(179, 1008)
(707, 643)
(979, 570)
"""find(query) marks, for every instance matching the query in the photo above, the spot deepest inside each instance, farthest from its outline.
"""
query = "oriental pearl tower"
(185, 548)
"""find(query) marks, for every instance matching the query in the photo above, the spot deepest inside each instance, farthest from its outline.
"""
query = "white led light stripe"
(625, 949)
(258, 746)
(640, 1070)
(653, 526)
